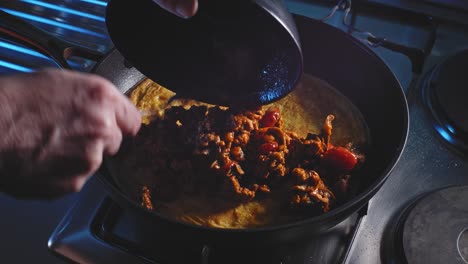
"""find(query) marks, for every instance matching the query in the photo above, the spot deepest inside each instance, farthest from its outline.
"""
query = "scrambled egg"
(151, 99)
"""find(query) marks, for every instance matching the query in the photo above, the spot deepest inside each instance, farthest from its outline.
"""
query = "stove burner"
(445, 92)
(431, 229)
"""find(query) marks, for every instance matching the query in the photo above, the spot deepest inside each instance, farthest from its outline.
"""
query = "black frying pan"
(330, 54)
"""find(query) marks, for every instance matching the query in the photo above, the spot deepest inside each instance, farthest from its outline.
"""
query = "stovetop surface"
(427, 163)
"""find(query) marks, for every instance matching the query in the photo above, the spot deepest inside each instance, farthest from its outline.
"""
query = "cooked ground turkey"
(242, 155)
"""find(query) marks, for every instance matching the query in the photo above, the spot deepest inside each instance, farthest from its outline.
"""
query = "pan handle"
(18, 30)
(416, 55)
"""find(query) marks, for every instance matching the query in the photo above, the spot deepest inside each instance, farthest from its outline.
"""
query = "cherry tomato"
(266, 148)
(270, 118)
(340, 158)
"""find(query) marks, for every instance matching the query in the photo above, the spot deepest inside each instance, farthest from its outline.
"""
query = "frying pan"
(330, 54)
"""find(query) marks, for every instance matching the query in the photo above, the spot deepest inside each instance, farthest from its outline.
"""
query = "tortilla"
(302, 111)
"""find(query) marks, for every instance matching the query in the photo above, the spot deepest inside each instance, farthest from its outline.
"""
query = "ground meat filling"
(310, 191)
(244, 155)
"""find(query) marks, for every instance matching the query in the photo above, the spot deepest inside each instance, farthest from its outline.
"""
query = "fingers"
(87, 161)
(93, 89)
(103, 98)
(104, 113)
(92, 158)
(127, 116)
(181, 8)
(66, 122)
(59, 174)
(112, 144)
(103, 116)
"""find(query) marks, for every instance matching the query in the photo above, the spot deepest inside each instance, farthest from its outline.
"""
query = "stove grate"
(81, 22)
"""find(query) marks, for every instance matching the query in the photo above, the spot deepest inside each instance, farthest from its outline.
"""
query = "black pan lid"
(228, 53)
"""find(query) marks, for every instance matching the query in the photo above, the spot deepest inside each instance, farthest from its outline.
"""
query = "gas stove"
(423, 42)
(81, 22)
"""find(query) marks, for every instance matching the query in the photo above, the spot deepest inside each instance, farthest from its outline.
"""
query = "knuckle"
(98, 126)
(104, 125)
(98, 92)
(99, 89)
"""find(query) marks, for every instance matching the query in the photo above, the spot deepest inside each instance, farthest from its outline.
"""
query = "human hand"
(182, 8)
(55, 127)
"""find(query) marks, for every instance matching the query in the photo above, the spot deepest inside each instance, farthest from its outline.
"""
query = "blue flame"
(22, 50)
(444, 133)
(96, 2)
(15, 67)
(65, 10)
(53, 23)
(451, 129)
(31, 52)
